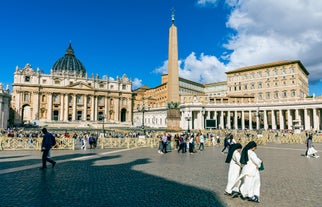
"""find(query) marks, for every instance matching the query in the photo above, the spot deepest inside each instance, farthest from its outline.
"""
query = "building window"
(259, 74)
(292, 70)
(27, 78)
(124, 102)
(252, 86)
(276, 94)
(79, 99)
(57, 82)
(293, 93)
(252, 75)
(26, 97)
(245, 87)
(275, 84)
(101, 85)
(55, 98)
(260, 85)
(43, 98)
(284, 94)
(123, 87)
(70, 99)
(268, 95)
(267, 73)
(100, 100)
(284, 71)
(275, 72)
(44, 81)
(267, 85)
(260, 96)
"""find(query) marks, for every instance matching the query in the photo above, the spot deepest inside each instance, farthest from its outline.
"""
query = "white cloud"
(205, 69)
(204, 3)
(136, 83)
(265, 31)
(273, 30)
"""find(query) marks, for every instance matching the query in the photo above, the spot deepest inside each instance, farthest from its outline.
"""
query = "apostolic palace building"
(266, 96)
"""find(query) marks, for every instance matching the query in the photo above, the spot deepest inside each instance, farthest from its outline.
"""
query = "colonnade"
(307, 117)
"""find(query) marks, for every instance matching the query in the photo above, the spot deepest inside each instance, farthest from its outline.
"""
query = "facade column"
(61, 113)
(35, 114)
(2, 112)
(273, 119)
(228, 120)
(95, 108)
(50, 106)
(92, 108)
(289, 119)
(250, 122)
(235, 120)
(66, 107)
(106, 109)
(243, 120)
(85, 108)
(307, 125)
(281, 119)
(265, 120)
(74, 108)
(215, 117)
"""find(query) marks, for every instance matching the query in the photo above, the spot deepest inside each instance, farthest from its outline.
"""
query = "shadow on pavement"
(82, 183)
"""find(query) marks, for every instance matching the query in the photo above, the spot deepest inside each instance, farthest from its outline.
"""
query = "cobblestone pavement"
(143, 177)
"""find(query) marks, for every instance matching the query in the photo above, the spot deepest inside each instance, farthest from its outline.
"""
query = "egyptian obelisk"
(173, 113)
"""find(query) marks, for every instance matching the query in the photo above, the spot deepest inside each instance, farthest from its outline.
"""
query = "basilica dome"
(69, 64)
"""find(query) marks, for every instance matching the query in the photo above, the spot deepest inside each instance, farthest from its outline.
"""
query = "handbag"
(261, 168)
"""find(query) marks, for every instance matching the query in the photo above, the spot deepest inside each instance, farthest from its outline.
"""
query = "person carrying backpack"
(48, 142)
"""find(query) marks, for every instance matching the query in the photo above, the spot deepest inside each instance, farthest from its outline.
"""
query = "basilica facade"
(67, 96)
(4, 106)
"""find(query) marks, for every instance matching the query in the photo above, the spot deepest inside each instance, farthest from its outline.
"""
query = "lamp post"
(188, 118)
(102, 116)
(203, 111)
(143, 109)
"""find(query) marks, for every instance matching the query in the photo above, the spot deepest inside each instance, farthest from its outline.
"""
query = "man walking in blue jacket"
(46, 145)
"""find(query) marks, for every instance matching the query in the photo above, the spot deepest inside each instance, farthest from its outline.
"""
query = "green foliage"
(173, 105)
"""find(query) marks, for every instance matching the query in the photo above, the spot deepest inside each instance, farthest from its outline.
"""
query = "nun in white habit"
(250, 187)
(233, 158)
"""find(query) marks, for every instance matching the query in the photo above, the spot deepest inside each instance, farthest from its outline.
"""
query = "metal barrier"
(9, 143)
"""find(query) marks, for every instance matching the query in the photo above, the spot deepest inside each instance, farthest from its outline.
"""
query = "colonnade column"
(307, 124)
(228, 120)
(281, 119)
(265, 120)
(257, 120)
(250, 122)
(235, 120)
(289, 119)
(273, 119)
(50, 106)
(243, 120)
(222, 120)
(316, 118)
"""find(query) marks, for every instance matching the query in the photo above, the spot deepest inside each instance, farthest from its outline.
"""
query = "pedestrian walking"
(233, 158)
(310, 150)
(201, 142)
(48, 142)
(250, 177)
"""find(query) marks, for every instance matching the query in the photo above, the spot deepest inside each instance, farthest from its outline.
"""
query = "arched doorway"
(123, 115)
(26, 114)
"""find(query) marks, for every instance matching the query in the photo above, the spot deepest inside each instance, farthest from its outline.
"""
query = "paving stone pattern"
(143, 177)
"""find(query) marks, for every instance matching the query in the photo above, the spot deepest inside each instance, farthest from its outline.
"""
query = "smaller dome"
(69, 64)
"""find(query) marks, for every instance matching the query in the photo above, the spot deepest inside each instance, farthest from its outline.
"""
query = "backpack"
(53, 140)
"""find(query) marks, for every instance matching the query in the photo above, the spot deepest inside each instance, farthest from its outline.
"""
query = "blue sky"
(131, 37)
